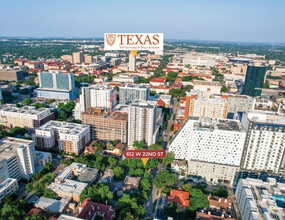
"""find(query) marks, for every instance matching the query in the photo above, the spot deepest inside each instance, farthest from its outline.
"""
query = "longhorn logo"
(110, 39)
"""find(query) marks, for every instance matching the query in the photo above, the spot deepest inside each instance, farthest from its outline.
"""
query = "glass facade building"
(254, 80)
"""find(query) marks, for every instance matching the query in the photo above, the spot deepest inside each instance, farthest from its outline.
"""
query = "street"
(153, 195)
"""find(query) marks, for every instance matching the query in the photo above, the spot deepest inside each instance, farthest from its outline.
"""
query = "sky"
(214, 20)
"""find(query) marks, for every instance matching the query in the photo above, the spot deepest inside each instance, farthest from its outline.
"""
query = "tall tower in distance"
(77, 57)
(254, 80)
(132, 62)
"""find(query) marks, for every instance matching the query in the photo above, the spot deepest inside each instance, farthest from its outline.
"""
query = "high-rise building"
(131, 92)
(27, 117)
(11, 75)
(142, 122)
(87, 59)
(68, 58)
(257, 199)
(213, 147)
(99, 95)
(237, 103)
(265, 141)
(77, 57)
(207, 88)
(106, 126)
(69, 137)
(197, 105)
(254, 80)
(132, 62)
(8, 187)
(16, 158)
(57, 85)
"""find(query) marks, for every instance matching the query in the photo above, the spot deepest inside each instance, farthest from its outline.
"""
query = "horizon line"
(166, 39)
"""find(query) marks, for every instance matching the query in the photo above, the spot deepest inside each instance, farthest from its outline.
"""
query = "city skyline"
(254, 21)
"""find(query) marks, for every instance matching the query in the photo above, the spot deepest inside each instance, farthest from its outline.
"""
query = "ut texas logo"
(110, 39)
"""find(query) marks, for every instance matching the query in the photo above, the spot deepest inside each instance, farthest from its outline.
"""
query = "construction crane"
(112, 96)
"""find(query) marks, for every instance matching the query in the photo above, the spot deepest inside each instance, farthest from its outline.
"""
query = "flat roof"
(68, 186)
(66, 127)
(31, 110)
(206, 83)
(135, 86)
(9, 146)
(50, 204)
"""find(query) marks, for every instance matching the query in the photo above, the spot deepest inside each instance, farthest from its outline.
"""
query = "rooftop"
(9, 146)
(89, 208)
(269, 117)
(132, 180)
(68, 186)
(206, 83)
(6, 183)
(42, 155)
(143, 104)
(29, 110)
(180, 197)
(64, 127)
(88, 175)
(135, 86)
(51, 204)
(205, 123)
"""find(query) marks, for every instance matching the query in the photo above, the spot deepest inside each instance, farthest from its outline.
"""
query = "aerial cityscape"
(142, 110)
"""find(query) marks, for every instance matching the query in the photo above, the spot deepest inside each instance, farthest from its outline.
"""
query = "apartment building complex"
(11, 75)
(142, 122)
(25, 117)
(8, 187)
(69, 137)
(265, 140)
(212, 147)
(16, 158)
(197, 105)
(131, 92)
(106, 126)
(99, 95)
(199, 59)
(126, 78)
(77, 57)
(238, 103)
(260, 200)
(57, 85)
(207, 88)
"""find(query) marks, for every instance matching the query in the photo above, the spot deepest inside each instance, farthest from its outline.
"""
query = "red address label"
(145, 153)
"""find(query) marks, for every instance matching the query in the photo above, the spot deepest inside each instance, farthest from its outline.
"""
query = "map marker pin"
(134, 52)
(144, 160)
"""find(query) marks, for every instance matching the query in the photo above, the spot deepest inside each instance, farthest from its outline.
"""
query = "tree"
(186, 187)
(145, 184)
(224, 89)
(27, 101)
(168, 158)
(165, 178)
(198, 200)
(37, 216)
(129, 206)
(17, 131)
(29, 187)
(98, 193)
(140, 145)
(119, 173)
(155, 147)
(39, 105)
(112, 161)
(63, 115)
(48, 193)
(50, 101)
